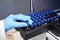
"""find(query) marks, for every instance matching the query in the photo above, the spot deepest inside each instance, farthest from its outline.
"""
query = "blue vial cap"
(44, 16)
(49, 19)
(42, 22)
(35, 24)
(38, 22)
(41, 14)
(58, 16)
(48, 11)
(52, 18)
(44, 13)
(46, 20)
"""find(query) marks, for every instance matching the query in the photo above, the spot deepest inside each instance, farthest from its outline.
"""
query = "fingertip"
(30, 22)
(23, 24)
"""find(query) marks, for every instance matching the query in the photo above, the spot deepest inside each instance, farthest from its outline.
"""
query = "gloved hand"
(10, 22)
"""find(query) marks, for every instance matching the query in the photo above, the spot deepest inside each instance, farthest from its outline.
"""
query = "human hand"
(10, 22)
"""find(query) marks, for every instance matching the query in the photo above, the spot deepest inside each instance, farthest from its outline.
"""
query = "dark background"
(23, 6)
(40, 5)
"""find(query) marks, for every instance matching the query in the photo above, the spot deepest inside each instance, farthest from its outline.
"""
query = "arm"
(2, 30)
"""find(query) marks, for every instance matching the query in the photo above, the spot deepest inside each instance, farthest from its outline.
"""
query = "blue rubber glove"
(10, 22)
